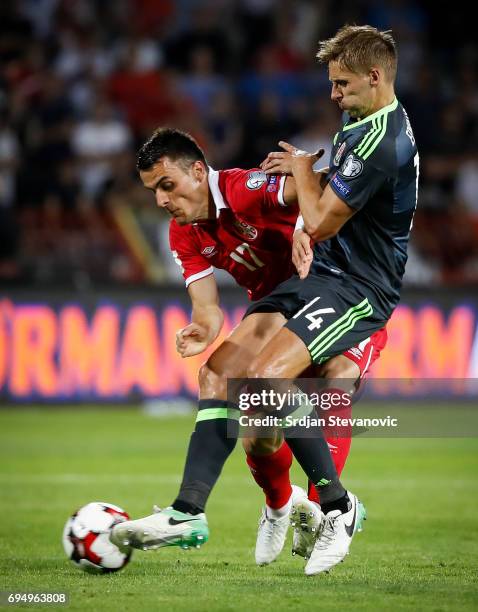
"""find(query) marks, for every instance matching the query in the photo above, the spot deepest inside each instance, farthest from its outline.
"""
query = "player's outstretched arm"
(207, 318)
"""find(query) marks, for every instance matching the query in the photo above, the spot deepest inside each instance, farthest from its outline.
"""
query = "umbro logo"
(356, 352)
(209, 251)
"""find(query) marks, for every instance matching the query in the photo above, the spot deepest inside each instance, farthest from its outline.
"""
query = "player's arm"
(302, 253)
(280, 162)
(323, 212)
(207, 317)
(206, 321)
(290, 187)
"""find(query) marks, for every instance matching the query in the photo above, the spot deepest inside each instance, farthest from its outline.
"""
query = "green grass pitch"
(418, 551)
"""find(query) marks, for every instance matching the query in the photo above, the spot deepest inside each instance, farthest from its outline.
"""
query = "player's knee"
(258, 369)
(211, 383)
(339, 367)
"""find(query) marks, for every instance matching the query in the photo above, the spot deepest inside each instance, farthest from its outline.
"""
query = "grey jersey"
(374, 170)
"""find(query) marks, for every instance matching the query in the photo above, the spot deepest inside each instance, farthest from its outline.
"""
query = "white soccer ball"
(86, 538)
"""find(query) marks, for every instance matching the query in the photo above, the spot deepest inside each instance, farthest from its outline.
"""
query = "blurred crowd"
(84, 82)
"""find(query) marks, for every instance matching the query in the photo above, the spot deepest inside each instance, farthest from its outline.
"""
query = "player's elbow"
(319, 233)
(323, 227)
(311, 228)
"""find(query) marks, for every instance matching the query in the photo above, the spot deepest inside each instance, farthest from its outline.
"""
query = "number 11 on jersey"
(241, 250)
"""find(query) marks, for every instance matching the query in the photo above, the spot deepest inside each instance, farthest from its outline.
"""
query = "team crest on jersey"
(339, 153)
(245, 229)
(209, 251)
(352, 166)
(256, 179)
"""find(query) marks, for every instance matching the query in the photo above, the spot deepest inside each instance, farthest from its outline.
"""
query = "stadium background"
(83, 83)
(90, 297)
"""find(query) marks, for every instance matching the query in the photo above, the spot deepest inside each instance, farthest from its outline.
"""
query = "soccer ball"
(86, 538)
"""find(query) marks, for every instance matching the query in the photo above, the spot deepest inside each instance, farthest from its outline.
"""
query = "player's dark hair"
(359, 48)
(169, 142)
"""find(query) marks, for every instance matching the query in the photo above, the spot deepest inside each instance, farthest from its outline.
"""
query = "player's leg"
(211, 443)
(339, 368)
(215, 435)
(272, 456)
(313, 334)
(285, 357)
(352, 366)
(306, 514)
(270, 459)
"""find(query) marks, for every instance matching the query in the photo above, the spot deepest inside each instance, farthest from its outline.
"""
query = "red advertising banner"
(121, 349)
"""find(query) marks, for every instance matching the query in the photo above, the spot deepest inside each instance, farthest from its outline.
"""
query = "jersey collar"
(383, 111)
(213, 180)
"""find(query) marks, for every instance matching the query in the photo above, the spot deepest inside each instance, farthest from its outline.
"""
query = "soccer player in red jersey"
(241, 221)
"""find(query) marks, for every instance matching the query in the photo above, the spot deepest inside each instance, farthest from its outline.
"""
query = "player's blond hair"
(359, 48)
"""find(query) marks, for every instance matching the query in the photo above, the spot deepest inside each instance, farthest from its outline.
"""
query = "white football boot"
(306, 518)
(272, 532)
(335, 535)
(166, 527)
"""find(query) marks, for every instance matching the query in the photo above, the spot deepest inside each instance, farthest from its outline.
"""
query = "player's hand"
(277, 162)
(191, 340)
(302, 253)
(300, 159)
(281, 162)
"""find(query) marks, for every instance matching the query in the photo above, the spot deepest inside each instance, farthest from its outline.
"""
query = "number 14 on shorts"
(314, 317)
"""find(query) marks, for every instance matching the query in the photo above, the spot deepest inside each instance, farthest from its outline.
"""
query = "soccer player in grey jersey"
(360, 223)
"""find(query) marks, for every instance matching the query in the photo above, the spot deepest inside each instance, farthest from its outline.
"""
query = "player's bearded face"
(351, 91)
(180, 189)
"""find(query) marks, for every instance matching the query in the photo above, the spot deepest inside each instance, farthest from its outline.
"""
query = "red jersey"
(250, 237)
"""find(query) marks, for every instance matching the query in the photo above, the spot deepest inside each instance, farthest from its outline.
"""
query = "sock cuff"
(209, 410)
(205, 404)
(194, 494)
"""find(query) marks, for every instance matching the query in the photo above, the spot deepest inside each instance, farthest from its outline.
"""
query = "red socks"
(271, 472)
(339, 449)
(339, 439)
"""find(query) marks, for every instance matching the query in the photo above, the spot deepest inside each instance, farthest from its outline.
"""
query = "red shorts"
(368, 351)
